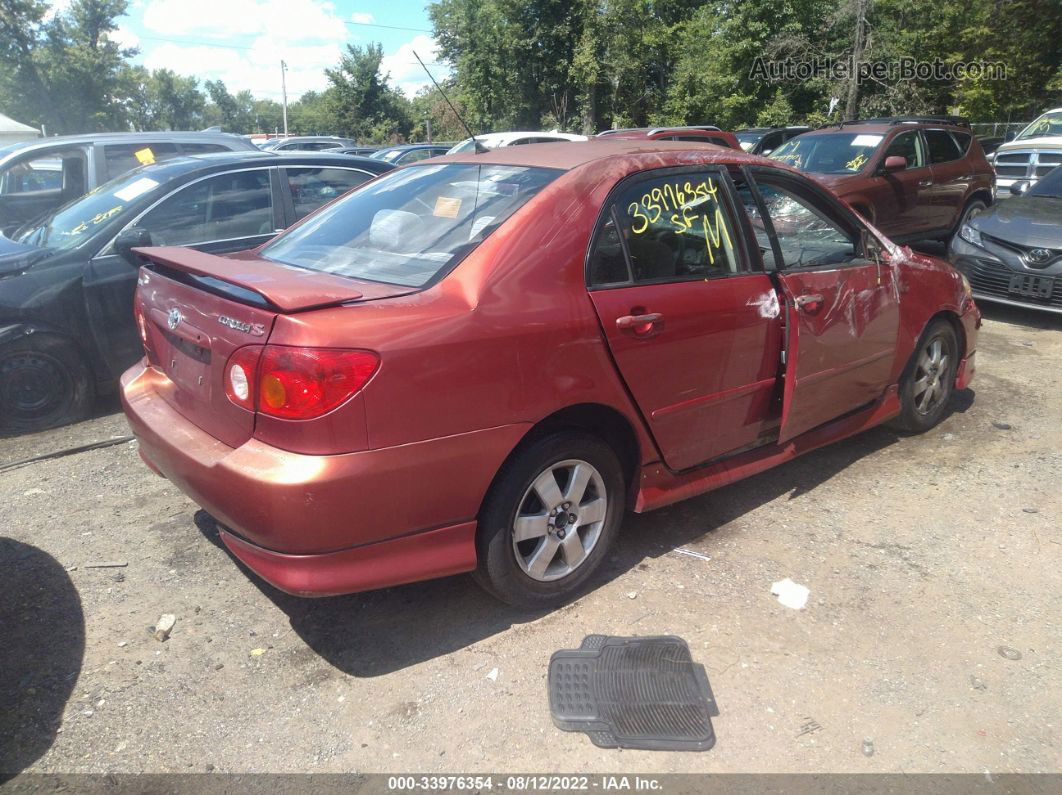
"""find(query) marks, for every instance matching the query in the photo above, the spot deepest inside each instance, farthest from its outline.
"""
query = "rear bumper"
(327, 524)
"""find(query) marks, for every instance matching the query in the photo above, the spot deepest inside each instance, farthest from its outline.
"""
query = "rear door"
(842, 308)
(951, 177)
(691, 320)
(219, 214)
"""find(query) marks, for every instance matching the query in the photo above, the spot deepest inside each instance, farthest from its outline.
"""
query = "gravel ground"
(932, 628)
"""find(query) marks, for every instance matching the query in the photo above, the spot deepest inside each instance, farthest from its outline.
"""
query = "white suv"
(1036, 150)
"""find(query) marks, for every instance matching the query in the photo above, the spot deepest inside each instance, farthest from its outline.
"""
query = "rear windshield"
(412, 225)
(830, 153)
(747, 140)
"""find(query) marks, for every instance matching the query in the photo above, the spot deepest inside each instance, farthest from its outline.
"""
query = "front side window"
(412, 225)
(125, 157)
(908, 146)
(673, 228)
(829, 153)
(942, 147)
(807, 236)
(313, 187)
(223, 207)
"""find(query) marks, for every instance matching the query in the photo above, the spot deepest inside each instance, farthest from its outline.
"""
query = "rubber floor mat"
(645, 693)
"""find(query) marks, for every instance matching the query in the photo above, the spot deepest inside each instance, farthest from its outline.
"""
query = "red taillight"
(240, 374)
(296, 383)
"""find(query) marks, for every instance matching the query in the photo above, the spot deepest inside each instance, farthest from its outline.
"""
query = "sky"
(243, 41)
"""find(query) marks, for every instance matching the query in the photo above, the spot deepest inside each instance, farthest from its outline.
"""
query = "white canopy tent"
(12, 131)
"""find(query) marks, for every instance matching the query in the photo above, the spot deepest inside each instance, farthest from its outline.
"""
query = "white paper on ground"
(790, 593)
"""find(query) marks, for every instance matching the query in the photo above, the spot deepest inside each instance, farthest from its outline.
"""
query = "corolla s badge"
(257, 329)
(1040, 254)
(173, 318)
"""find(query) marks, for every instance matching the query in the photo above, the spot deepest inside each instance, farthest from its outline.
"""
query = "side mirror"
(1019, 188)
(894, 163)
(127, 240)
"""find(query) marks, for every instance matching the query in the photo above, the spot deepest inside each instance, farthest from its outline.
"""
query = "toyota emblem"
(1040, 254)
(173, 318)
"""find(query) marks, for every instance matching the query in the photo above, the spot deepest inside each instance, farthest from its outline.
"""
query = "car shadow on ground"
(379, 632)
(1019, 316)
(42, 643)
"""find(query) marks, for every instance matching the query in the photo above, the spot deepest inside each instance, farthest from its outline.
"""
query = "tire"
(928, 381)
(43, 384)
(537, 572)
(971, 210)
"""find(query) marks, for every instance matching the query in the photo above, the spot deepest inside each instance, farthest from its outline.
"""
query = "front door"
(902, 198)
(841, 299)
(221, 214)
(693, 325)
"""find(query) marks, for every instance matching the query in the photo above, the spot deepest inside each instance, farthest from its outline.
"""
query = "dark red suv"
(915, 178)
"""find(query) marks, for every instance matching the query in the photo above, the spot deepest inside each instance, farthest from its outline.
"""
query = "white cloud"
(282, 20)
(125, 38)
(405, 73)
(362, 18)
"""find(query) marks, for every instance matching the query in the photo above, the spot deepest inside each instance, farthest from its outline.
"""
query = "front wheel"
(549, 519)
(971, 210)
(928, 382)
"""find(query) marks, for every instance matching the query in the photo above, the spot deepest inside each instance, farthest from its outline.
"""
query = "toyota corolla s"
(479, 363)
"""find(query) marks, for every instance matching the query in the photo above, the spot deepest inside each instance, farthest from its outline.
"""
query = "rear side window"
(942, 147)
(410, 226)
(222, 207)
(35, 175)
(312, 187)
(962, 140)
(120, 158)
(672, 228)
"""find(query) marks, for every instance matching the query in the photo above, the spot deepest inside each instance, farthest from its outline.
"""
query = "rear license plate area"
(188, 366)
(1029, 286)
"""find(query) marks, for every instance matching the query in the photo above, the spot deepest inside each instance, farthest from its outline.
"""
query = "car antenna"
(475, 142)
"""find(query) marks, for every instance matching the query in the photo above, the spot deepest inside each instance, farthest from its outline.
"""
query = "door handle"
(639, 324)
(925, 183)
(810, 302)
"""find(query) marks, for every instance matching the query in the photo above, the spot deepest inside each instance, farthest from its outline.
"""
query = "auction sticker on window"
(145, 156)
(867, 140)
(134, 189)
(446, 207)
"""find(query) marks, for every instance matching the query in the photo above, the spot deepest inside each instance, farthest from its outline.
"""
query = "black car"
(764, 140)
(38, 176)
(1012, 252)
(409, 153)
(66, 283)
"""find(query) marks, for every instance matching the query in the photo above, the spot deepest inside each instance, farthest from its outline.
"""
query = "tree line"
(577, 65)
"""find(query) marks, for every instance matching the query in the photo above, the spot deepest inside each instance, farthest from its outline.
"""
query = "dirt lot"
(934, 625)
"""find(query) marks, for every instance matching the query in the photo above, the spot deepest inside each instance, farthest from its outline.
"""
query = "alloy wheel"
(930, 387)
(559, 520)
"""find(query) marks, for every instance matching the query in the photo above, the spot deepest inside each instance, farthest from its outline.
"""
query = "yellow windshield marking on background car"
(794, 159)
(446, 207)
(98, 218)
(145, 156)
(856, 162)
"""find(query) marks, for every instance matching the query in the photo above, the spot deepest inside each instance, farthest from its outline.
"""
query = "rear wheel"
(549, 519)
(929, 380)
(43, 384)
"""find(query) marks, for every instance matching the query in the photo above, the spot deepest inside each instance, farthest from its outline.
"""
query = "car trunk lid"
(199, 308)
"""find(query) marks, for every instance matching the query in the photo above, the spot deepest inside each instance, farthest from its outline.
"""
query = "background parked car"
(1012, 252)
(706, 134)
(308, 143)
(409, 153)
(364, 151)
(915, 178)
(1033, 153)
(66, 284)
(496, 140)
(764, 140)
(38, 176)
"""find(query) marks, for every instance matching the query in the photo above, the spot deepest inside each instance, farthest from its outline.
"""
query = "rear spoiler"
(285, 287)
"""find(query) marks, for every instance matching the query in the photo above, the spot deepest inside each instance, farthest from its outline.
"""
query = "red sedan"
(481, 362)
